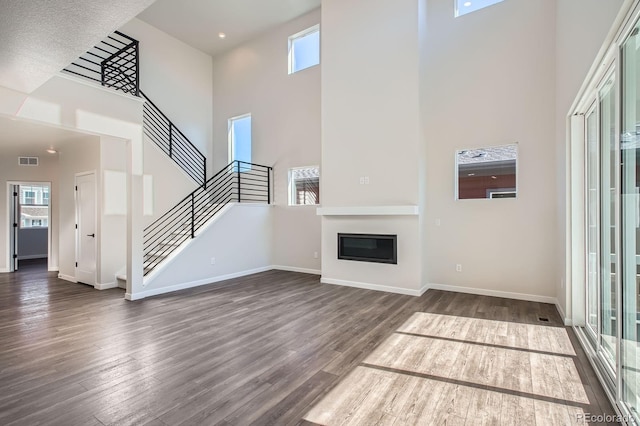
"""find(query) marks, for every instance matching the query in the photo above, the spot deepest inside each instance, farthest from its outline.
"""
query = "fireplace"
(368, 248)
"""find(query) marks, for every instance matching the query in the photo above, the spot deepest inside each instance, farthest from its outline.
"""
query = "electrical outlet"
(361, 180)
(458, 267)
(315, 254)
(213, 260)
(366, 180)
(437, 222)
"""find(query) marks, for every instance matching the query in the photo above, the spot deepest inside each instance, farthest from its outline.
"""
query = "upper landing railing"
(115, 63)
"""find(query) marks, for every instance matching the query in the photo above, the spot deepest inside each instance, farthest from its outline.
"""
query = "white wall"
(253, 78)
(70, 103)
(490, 80)
(238, 238)
(112, 251)
(579, 37)
(170, 183)
(371, 127)
(47, 171)
(370, 102)
(177, 78)
(78, 156)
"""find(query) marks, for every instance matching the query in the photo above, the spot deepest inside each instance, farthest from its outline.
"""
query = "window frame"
(33, 195)
(291, 50)
(460, 11)
(292, 197)
(231, 141)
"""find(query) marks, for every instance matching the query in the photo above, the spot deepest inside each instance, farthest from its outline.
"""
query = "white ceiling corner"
(20, 137)
(198, 22)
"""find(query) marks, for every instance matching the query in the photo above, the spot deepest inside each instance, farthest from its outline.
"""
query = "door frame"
(95, 221)
(10, 206)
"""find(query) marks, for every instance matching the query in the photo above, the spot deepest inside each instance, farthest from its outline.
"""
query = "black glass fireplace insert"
(368, 248)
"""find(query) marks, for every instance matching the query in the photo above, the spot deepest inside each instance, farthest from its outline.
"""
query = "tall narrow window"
(304, 49)
(304, 186)
(240, 142)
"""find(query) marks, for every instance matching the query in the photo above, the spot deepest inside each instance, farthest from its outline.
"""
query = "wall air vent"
(28, 161)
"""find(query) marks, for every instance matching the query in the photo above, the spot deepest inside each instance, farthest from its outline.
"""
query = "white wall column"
(372, 133)
(135, 225)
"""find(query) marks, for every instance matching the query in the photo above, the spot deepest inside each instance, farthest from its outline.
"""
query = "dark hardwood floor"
(263, 349)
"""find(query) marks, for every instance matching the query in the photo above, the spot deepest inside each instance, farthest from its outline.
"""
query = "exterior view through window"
(240, 141)
(304, 49)
(34, 206)
(467, 6)
(304, 186)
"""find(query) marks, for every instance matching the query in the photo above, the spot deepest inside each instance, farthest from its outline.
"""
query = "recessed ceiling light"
(467, 4)
(51, 151)
(222, 35)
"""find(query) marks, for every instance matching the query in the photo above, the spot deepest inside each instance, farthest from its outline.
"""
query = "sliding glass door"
(630, 214)
(601, 233)
(608, 233)
(612, 184)
(593, 223)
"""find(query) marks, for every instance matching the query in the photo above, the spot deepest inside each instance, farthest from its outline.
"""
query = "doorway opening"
(29, 225)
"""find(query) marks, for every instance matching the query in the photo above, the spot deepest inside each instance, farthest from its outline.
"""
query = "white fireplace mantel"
(368, 211)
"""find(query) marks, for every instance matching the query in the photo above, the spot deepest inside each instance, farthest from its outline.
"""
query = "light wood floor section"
(279, 348)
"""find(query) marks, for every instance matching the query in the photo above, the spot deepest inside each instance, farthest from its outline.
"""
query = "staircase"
(114, 63)
(173, 142)
(238, 182)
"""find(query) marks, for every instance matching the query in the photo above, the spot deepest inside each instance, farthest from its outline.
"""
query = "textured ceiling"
(41, 37)
(198, 22)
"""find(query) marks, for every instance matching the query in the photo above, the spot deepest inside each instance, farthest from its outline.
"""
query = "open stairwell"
(238, 182)
(114, 63)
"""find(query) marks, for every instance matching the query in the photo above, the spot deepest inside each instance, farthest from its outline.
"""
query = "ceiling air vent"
(28, 161)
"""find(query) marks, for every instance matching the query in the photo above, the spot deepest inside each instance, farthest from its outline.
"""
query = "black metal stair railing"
(239, 182)
(114, 63)
(173, 142)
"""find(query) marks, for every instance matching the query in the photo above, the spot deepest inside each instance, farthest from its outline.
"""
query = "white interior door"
(86, 228)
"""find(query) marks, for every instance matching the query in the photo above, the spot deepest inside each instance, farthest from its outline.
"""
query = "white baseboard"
(67, 278)
(495, 293)
(54, 269)
(106, 286)
(198, 283)
(424, 289)
(369, 286)
(3, 270)
(296, 269)
(567, 321)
